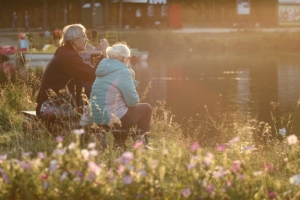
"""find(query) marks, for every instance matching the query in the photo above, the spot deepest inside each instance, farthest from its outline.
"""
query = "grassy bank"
(240, 162)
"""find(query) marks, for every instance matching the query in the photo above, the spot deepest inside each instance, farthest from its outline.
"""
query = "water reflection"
(239, 85)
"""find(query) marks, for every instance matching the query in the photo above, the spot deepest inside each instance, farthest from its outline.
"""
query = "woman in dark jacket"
(67, 65)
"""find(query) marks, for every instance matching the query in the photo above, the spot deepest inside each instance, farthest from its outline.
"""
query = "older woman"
(114, 97)
(67, 65)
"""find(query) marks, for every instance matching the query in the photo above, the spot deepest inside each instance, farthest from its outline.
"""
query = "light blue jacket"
(112, 92)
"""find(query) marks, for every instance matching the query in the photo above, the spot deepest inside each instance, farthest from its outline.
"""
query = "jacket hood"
(108, 65)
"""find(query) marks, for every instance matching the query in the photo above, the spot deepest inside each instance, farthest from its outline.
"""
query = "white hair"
(70, 33)
(118, 51)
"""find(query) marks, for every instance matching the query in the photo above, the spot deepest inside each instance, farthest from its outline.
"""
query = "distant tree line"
(51, 14)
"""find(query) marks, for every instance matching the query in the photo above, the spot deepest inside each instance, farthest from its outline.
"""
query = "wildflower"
(79, 174)
(221, 147)
(154, 164)
(41, 155)
(94, 167)
(3, 157)
(127, 180)
(282, 131)
(165, 151)
(45, 185)
(53, 165)
(139, 195)
(93, 152)
(121, 169)
(91, 145)
(85, 154)
(138, 144)
(78, 131)
(210, 188)
(43, 177)
(268, 166)
(26, 154)
(228, 183)
(234, 140)
(142, 172)
(186, 192)
(25, 165)
(209, 158)
(236, 165)
(59, 139)
(190, 165)
(292, 139)
(127, 157)
(195, 146)
(249, 148)
(5, 178)
(59, 152)
(72, 146)
(295, 180)
(272, 195)
(257, 173)
(219, 172)
(64, 176)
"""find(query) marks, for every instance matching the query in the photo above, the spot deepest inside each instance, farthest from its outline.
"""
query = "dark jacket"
(66, 69)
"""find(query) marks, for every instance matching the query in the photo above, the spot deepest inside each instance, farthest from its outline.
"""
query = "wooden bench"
(32, 123)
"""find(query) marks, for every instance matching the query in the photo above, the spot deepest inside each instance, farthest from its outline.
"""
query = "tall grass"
(209, 160)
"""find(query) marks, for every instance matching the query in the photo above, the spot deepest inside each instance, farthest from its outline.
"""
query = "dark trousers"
(140, 116)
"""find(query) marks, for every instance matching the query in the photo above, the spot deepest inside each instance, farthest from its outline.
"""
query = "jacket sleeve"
(127, 88)
(77, 68)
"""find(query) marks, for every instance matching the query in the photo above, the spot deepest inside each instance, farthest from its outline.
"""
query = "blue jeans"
(140, 116)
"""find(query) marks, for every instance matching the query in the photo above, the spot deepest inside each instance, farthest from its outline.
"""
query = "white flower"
(292, 139)
(85, 154)
(93, 152)
(282, 131)
(64, 176)
(72, 145)
(78, 131)
(234, 140)
(295, 180)
(91, 145)
(257, 173)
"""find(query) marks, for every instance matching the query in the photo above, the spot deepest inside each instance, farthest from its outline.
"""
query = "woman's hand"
(103, 45)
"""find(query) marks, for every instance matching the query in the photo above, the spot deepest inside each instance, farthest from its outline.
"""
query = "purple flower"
(195, 146)
(210, 188)
(221, 147)
(127, 180)
(41, 155)
(127, 157)
(59, 139)
(272, 195)
(186, 192)
(53, 165)
(25, 165)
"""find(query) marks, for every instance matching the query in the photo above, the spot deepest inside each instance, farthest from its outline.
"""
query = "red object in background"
(175, 16)
(22, 35)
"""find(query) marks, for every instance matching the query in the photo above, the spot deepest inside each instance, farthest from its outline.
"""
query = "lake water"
(238, 85)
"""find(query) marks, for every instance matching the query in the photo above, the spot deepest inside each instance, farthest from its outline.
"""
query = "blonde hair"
(70, 33)
(118, 51)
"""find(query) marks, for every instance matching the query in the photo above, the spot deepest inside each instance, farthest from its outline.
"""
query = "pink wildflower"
(41, 155)
(236, 165)
(59, 139)
(221, 147)
(138, 144)
(234, 140)
(195, 146)
(272, 195)
(127, 157)
(210, 188)
(94, 167)
(121, 169)
(43, 177)
(268, 166)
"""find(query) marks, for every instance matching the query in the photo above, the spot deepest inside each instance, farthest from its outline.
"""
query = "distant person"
(114, 97)
(67, 65)
(26, 20)
(14, 21)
